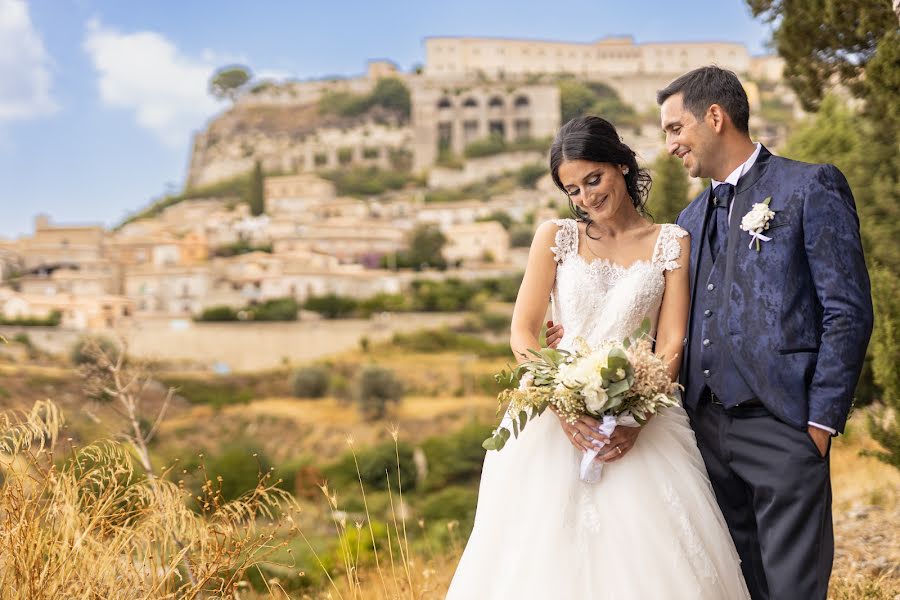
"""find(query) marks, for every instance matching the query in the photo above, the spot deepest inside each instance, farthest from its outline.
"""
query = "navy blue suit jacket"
(798, 312)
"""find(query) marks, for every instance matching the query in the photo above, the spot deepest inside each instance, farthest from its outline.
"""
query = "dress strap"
(566, 241)
(667, 250)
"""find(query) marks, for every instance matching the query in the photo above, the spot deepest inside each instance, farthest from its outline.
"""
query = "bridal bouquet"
(618, 383)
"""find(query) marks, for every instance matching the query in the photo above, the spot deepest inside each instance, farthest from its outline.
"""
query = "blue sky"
(98, 99)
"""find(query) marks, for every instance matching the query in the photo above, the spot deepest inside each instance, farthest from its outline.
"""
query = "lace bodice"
(601, 300)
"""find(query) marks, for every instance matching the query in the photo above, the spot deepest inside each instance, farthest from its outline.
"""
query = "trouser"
(774, 489)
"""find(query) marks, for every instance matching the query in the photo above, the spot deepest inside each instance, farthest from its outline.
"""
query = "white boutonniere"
(757, 220)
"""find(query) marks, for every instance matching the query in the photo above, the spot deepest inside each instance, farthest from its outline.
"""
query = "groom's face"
(687, 137)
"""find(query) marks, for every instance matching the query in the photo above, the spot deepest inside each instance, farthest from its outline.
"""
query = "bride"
(650, 528)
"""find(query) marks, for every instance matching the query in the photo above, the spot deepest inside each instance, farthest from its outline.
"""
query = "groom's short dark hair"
(710, 85)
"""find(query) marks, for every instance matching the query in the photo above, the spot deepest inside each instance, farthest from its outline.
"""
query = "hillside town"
(467, 153)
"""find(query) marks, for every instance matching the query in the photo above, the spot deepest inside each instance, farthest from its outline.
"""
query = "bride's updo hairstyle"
(596, 140)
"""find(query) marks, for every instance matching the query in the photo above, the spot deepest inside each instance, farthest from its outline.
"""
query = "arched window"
(469, 102)
(444, 103)
(496, 102)
(522, 101)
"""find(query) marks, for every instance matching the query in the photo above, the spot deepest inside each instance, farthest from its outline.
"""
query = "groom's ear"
(716, 117)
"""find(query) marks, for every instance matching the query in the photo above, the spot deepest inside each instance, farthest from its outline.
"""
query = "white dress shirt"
(733, 180)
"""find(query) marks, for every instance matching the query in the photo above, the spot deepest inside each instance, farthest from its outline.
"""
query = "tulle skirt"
(649, 529)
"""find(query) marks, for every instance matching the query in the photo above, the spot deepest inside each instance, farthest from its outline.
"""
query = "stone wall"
(479, 169)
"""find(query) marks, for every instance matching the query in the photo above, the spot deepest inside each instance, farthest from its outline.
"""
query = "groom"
(779, 324)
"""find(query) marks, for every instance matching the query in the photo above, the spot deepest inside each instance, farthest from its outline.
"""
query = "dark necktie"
(718, 224)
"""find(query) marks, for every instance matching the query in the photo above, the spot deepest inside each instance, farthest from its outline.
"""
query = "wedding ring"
(574, 435)
(620, 450)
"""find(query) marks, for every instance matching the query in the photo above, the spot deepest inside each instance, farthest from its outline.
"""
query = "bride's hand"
(583, 434)
(621, 442)
(554, 334)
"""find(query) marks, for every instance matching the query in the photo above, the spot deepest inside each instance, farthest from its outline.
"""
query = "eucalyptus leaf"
(523, 418)
(614, 402)
(552, 356)
(618, 387)
(617, 353)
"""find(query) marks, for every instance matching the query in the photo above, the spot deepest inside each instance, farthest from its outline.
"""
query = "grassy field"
(393, 543)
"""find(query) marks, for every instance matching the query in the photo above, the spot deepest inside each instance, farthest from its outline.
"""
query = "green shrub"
(382, 302)
(376, 388)
(379, 462)
(375, 464)
(392, 94)
(51, 320)
(362, 544)
(277, 309)
(456, 503)
(529, 175)
(389, 93)
(400, 159)
(488, 146)
(367, 181)
(447, 159)
(501, 217)
(214, 393)
(456, 458)
(240, 466)
(24, 339)
(442, 296)
(442, 195)
(331, 306)
(311, 382)
(81, 352)
(447, 340)
(241, 247)
(485, 322)
(520, 236)
(217, 313)
(300, 477)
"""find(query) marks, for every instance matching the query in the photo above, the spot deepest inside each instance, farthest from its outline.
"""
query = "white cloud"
(144, 72)
(24, 66)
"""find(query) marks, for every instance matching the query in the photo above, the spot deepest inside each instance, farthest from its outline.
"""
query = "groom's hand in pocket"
(554, 334)
(820, 437)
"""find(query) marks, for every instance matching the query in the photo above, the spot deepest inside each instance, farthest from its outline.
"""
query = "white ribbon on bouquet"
(590, 469)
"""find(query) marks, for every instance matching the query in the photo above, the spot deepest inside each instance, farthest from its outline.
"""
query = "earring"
(625, 171)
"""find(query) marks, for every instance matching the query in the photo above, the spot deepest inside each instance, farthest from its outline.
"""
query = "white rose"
(757, 218)
(595, 400)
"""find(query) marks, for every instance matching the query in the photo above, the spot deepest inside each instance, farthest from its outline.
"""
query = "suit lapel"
(743, 200)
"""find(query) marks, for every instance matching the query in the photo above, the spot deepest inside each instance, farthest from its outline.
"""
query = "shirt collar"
(739, 172)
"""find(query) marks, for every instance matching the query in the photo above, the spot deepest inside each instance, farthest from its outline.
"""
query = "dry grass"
(89, 526)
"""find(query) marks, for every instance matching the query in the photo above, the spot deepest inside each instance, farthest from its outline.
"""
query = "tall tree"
(392, 94)
(426, 245)
(256, 199)
(819, 39)
(228, 81)
(886, 349)
(669, 194)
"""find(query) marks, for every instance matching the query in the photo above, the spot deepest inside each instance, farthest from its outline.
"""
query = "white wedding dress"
(650, 529)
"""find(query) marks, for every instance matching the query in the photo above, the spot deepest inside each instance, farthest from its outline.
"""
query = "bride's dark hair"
(596, 140)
